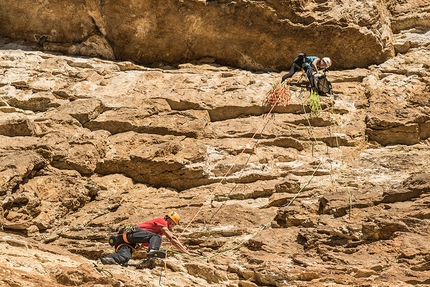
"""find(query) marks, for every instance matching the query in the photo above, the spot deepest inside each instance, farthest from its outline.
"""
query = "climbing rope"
(224, 178)
(279, 94)
(316, 109)
(233, 165)
(103, 271)
(304, 186)
(242, 242)
(243, 169)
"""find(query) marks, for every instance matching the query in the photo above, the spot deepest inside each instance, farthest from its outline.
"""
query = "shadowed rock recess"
(154, 106)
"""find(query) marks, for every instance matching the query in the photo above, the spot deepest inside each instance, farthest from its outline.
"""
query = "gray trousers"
(124, 253)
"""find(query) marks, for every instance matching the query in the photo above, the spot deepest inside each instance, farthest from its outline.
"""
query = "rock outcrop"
(255, 35)
(269, 196)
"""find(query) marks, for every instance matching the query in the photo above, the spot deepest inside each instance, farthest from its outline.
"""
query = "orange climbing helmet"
(174, 216)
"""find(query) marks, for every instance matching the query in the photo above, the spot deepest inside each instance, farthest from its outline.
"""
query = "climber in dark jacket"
(309, 64)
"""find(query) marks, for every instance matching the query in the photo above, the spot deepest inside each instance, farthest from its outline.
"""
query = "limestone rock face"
(247, 34)
(284, 195)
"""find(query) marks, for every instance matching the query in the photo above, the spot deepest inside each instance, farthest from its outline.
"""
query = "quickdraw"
(113, 239)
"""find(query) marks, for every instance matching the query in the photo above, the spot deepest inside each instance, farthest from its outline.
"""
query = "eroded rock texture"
(247, 34)
(278, 196)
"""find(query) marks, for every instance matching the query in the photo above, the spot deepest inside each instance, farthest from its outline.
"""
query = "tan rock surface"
(268, 197)
(246, 34)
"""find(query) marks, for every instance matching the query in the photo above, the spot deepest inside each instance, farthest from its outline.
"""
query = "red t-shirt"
(154, 225)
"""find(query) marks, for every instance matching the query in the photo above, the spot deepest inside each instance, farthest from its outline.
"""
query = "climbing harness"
(127, 230)
(114, 239)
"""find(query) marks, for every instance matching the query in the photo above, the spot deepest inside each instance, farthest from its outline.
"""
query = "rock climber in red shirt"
(148, 233)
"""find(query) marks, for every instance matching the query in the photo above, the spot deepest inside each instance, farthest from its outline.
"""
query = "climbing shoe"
(108, 261)
(156, 254)
(147, 263)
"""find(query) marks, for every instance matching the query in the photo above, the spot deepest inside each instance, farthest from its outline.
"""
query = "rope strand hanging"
(278, 95)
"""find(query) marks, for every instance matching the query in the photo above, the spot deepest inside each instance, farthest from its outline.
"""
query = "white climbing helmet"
(327, 61)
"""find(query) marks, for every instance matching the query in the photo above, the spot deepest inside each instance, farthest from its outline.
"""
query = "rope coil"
(279, 94)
